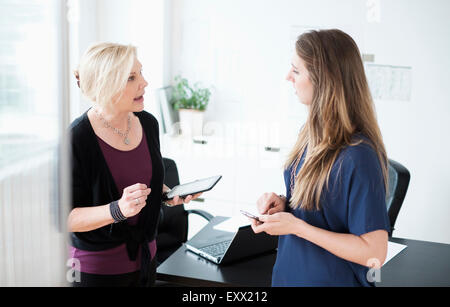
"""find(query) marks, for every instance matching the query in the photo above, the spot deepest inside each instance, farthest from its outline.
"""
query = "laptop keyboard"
(216, 249)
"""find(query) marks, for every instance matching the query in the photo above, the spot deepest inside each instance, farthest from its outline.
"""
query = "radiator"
(32, 241)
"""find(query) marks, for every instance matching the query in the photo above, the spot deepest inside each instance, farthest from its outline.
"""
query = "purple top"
(127, 168)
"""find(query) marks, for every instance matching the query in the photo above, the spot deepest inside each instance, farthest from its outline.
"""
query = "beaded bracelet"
(115, 212)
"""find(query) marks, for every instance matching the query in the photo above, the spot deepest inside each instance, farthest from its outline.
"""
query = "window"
(32, 74)
(29, 81)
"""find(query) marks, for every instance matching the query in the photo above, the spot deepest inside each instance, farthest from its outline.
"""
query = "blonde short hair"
(104, 70)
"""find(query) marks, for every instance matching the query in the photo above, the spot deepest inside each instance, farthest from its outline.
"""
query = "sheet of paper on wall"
(393, 250)
(388, 82)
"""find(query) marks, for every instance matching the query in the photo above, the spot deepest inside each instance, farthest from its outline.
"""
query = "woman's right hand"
(270, 203)
(133, 199)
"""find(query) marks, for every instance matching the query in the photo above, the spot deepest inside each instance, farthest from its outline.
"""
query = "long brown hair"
(341, 106)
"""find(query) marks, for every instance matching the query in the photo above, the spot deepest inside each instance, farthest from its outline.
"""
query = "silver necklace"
(108, 125)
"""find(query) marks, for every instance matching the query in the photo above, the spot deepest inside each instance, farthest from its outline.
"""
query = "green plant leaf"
(186, 97)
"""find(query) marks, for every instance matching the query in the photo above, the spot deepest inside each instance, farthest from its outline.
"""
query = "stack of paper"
(393, 250)
(232, 224)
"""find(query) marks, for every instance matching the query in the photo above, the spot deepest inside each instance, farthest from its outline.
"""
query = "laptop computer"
(222, 247)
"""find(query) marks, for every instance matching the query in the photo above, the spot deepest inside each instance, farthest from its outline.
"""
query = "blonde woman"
(332, 223)
(117, 173)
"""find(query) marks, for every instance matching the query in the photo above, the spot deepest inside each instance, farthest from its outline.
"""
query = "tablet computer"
(191, 188)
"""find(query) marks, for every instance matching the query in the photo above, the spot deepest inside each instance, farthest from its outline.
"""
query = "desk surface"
(420, 264)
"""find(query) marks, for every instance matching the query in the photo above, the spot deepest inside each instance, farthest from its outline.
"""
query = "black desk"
(420, 264)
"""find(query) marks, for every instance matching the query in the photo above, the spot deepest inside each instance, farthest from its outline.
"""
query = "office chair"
(173, 223)
(398, 185)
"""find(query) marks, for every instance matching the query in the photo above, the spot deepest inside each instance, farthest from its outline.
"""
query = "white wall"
(82, 18)
(243, 49)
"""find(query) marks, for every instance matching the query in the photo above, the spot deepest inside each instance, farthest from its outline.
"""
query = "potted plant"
(191, 103)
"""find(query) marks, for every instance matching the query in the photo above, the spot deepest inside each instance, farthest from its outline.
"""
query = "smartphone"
(248, 214)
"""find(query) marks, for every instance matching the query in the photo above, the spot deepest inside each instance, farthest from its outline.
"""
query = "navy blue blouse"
(354, 203)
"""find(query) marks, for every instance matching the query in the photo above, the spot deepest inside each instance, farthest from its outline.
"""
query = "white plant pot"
(191, 122)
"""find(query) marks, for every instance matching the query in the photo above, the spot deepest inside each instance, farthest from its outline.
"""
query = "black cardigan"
(93, 185)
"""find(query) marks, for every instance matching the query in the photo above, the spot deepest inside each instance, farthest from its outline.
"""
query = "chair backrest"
(399, 177)
(173, 223)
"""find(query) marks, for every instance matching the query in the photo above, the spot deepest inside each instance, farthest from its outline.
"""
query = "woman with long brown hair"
(332, 223)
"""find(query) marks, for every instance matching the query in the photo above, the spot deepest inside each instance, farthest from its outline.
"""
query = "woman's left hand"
(281, 223)
(179, 200)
